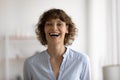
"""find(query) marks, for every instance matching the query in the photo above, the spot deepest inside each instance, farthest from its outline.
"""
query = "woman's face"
(55, 31)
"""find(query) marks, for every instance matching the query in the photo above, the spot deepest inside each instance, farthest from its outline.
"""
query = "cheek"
(65, 30)
(45, 30)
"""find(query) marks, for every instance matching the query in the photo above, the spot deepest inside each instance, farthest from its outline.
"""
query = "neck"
(56, 50)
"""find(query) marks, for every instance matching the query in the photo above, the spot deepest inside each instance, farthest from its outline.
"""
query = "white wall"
(104, 35)
(2, 59)
(119, 30)
(97, 36)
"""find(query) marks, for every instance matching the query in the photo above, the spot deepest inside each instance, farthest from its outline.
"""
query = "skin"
(56, 47)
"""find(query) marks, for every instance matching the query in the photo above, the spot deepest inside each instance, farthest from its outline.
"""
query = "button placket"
(61, 69)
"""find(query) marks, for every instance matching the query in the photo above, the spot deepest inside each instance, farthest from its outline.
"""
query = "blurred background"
(98, 23)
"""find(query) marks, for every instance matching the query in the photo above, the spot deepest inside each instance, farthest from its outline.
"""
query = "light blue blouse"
(75, 66)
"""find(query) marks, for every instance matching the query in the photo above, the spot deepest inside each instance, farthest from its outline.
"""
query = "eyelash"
(50, 24)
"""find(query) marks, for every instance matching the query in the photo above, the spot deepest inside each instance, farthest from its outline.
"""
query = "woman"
(56, 30)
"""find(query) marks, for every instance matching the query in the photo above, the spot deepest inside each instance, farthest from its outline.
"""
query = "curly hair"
(55, 14)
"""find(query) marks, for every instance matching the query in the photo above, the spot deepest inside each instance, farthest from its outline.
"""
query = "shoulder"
(78, 55)
(35, 58)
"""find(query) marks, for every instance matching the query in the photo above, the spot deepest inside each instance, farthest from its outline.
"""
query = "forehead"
(55, 20)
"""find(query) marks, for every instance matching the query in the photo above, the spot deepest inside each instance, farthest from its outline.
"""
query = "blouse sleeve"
(86, 72)
(27, 71)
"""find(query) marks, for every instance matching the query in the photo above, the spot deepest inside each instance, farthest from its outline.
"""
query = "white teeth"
(54, 34)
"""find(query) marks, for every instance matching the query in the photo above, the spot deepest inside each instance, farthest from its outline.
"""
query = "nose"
(54, 27)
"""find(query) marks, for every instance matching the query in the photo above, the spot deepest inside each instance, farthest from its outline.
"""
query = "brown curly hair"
(55, 14)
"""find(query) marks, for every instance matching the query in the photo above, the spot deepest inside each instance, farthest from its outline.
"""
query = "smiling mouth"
(54, 34)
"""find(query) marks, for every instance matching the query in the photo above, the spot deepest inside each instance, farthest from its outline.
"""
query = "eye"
(48, 24)
(59, 24)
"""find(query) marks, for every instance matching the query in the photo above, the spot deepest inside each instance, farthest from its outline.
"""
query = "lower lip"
(54, 37)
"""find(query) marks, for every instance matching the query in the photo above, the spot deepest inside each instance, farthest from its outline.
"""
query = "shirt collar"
(66, 52)
(64, 55)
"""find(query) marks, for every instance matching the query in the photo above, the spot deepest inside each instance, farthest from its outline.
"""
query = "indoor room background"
(98, 23)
